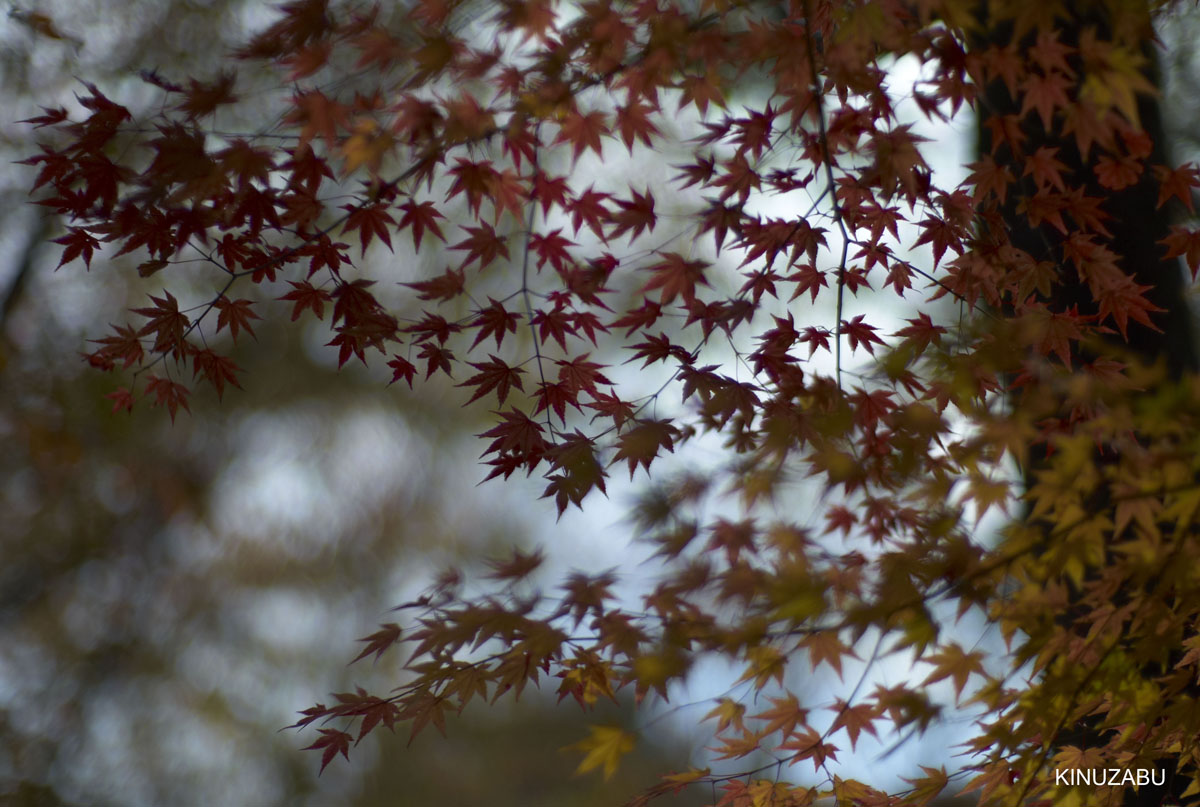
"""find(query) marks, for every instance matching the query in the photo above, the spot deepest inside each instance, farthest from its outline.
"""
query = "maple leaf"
(518, 566)
(609, 405)
(860, 333)
(854, 719)
(167, 323)
(825, 647)
(379, 641)
(1117, 174)
(640, 444)
(556, 398)
(1186, 242)
(701, 91)
(307, 297)
(167, 393)
(1045, 168)
(738, 747)
(576, 472)
(921, 332)
(402, 368)
(1053, 332)
(319, 115)
(551, 247)
(634, 122)
(988, 176)
(235, 315)
(784, 715)
(495, 321)
(436, 359)
(79, 243)
(634, 216)
(421, 217)
(371, 221)
(659, 348)
(588, 208)
(808, 745)
(122, 398)
(53, 117)
(927, 788)
(493, 375)
(941, 235)
(728, 713)
(951, 661)
(698, 173)
(675, 277)
(580, 375)
(639, 318)
(425, 710)
(475, 179)
(553, 325)
(202, 99)
(483, 243)
(550, 192)
(331, 743)
(582, 132)
(1045, 93)
(1126, 300)
(604, 748)
(444, 287)
(217, 370)
(125, 345)
(517, 434)
(1177, 183)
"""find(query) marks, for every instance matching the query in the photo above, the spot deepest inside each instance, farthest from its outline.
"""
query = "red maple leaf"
(167, 393)
(675, 276)
(495, 321)
(331, 743)
(167, 323)
(379, 641)
(235, 315)
(860, 333)
(641, 444)
(216, 369)
(582, 132)
(493, 375)
(370, 221)
(634, 216)
(307, 296)
(421, 217)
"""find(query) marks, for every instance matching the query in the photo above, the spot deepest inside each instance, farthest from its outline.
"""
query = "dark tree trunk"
(1137, 224)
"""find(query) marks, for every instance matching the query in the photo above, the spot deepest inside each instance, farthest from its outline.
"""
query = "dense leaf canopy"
(634, 235)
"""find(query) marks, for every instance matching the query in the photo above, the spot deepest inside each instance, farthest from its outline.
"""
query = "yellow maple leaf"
(604, 747)
(766, 662)
(926, 788)
(954, 663)
(728, 712)
(366, 146)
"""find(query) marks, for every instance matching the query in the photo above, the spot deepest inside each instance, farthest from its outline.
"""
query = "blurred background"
(172, 595)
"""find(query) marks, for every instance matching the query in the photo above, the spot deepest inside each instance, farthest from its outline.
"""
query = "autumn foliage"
(473, 196)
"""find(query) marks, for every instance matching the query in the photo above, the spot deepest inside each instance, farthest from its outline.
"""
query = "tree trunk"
(1136, 225)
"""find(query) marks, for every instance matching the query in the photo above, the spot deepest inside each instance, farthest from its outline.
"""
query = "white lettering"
(1111, 777)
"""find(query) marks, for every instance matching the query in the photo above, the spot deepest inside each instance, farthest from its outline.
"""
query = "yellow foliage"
(604, 748)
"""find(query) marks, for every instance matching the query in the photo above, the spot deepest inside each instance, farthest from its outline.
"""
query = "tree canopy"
(704, 244)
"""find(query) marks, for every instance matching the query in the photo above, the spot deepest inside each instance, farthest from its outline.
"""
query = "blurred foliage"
(170, 595)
